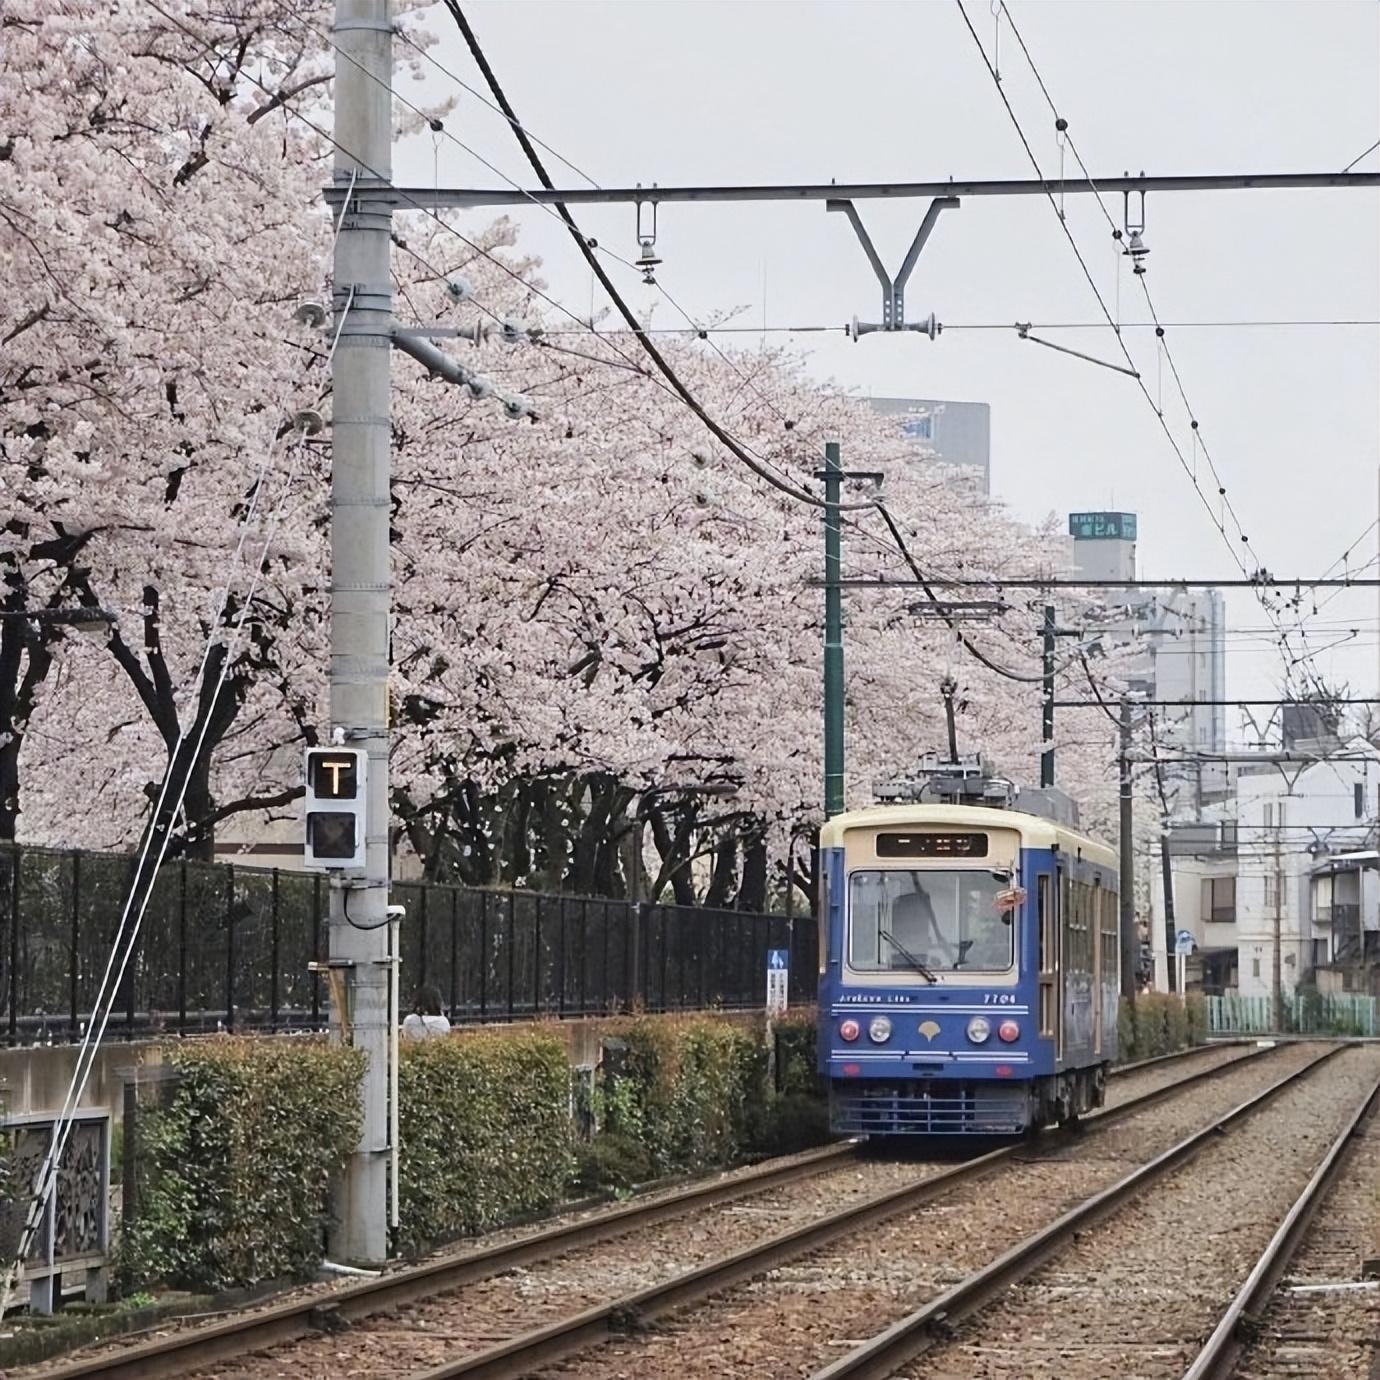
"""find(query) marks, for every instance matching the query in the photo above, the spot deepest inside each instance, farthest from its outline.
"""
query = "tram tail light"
(849, 1030)
(1008, 1031)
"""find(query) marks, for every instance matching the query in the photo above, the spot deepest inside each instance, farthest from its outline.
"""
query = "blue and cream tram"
(970, 970)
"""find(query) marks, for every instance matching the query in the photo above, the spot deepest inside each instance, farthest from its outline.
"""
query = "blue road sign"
(778, 959)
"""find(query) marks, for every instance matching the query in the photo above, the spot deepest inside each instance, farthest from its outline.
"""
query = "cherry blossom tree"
(607, 648)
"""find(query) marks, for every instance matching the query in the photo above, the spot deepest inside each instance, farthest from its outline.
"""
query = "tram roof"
(1035, 830)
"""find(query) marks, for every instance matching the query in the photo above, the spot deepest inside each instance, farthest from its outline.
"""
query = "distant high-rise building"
(1104, 545)
(1182, 637)
(958, 433)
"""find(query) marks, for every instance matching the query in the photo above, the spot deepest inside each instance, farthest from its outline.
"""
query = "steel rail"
(522, 1355)
(181, 1352)
(1223, 1349)
(287, 1322)
(1178, 1055)
(882, 1355)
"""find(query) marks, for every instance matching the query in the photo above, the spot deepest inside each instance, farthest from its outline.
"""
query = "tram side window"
(1110, 937)
(1078, 958)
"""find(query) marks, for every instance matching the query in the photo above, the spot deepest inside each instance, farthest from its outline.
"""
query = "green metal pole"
(1047, 714)
(833, 634)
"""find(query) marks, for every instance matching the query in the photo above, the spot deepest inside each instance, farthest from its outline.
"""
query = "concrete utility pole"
(360, 441)
(1130, 948)
(1277, 976)
(833, 634)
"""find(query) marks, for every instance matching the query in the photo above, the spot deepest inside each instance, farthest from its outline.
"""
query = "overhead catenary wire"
(693, 325)
(1092, 283)
(730, 443)
(1200, 442)
(1365, 153)
(480, 251)
(819, 329)
(476, 51)
(759, 466)
(1190, 471)
(635, 329)
(742, 451)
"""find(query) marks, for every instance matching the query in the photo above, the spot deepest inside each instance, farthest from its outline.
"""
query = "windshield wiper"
(908, 956)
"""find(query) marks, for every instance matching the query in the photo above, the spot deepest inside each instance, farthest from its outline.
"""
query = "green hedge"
(485, 1132)
(235, 1166)
(691, 1094)
(237, 1163)
(1159, 1023)
(797, 1056)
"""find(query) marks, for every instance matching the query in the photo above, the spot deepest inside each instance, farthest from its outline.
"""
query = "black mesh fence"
(225, 947)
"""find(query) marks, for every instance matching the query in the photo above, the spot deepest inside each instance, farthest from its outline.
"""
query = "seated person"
(916, 929)
(427, 1019)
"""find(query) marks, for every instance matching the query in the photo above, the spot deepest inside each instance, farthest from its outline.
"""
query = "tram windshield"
(931, 921)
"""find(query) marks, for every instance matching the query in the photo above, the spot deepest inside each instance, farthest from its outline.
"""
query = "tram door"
(1095, 921)
(1050, 897)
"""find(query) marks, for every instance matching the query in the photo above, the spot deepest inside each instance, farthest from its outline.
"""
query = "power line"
(643, 339)
(740, 449)
(736, 447)
(484, 100)
(817, 329)
(700, 331)
(1359, 156)
(1087, 274)
(1223, 704)
(1080, 582)
(1061, 125)
(757, 466)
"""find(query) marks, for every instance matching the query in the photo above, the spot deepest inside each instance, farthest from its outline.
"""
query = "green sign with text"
(1102, 526)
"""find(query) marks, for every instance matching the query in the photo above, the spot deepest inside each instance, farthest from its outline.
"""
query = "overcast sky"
(673, 91)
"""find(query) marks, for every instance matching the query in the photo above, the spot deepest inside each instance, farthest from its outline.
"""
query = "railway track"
(1305, 1310)
(393, 1300)
(1127, 1284)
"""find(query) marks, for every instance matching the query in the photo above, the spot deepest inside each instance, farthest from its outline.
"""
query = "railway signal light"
(335, 833)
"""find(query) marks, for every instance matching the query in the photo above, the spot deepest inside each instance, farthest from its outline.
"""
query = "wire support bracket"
(893, 289)
(1023, 331)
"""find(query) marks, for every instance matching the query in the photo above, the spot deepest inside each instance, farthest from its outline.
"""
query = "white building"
(1288, 863)
(1181, 635)
(956, 433)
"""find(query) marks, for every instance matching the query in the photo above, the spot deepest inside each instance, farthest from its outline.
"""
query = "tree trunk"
(725, 871)
(200, 845)
(674, 851)
(20, 677)
(752, 885)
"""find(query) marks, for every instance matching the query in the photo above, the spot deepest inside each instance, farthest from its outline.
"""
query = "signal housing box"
(337, 780)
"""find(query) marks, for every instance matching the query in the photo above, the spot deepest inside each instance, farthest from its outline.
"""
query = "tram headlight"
(979, 1030)
(849, 1030)
(879, 1030)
